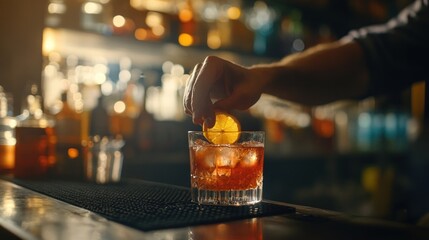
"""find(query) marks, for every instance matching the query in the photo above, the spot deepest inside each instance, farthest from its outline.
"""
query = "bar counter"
(27, 214)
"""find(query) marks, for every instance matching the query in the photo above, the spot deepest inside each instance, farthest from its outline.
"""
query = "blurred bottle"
(99, 124)
(7, 134)
(71, 141)
(35, 139)
(145, 130)
(323, 122)
(125, 111)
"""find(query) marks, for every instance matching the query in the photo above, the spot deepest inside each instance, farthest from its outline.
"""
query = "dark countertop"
(31, 215)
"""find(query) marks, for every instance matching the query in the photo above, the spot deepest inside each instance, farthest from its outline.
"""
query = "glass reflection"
(36, 204)
(242, 230)
(8, 204)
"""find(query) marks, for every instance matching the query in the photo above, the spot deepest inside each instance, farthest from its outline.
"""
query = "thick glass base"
(227, 198)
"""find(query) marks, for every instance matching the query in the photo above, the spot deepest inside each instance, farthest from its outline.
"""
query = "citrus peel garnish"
(225, 131)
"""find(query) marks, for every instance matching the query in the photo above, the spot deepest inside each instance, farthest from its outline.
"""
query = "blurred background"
(119, 67)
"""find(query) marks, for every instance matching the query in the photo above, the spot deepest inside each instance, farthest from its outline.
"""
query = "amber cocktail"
(227, 174)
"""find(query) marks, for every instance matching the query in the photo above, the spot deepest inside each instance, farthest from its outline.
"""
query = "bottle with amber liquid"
(71, 140)
(35, 139)
(7, 135)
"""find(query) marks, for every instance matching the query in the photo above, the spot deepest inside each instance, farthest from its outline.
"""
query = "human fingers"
(187, 96)
(210, 73)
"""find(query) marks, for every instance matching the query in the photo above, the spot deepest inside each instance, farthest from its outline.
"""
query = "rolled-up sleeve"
(397, 53)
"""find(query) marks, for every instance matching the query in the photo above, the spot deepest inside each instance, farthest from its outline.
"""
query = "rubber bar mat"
(147, 205)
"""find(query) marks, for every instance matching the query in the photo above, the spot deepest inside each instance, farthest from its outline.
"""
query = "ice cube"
(209, 158)
(249, 158)
(200, 142)
(205, 156)
(223, 160)
(222, 172)
(252, 144)
(226, 157)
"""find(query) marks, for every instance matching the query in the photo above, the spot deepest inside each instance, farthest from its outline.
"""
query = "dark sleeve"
(397, 53)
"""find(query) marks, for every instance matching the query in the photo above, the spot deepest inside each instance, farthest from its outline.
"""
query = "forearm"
(320, 75)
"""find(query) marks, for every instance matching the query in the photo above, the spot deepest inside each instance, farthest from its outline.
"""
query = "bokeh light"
(186, 40)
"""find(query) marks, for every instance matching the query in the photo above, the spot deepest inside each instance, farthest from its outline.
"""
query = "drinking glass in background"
(35, 139)
(227, 174)
(103, 163)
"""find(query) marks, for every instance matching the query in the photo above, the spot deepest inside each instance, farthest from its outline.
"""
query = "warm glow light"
(210, 12)
(73, 153)
(48, 41)
(107, 88)
(303, 120)
(8, 204)
(99, 78)
(118, 21)
(177, 70)
(185, 15)
(153, 19)
(34, 202)
(9, 207)
(158, 30)
(185, 39)
(119, 107)
(221, 227)
(234, 13)
(167, 66)
(50, 70)
(56, 8)
(124, 75)
(166, 6)
(101, 68)
(213, 39)
(140, 34)
(92, 8)
(137, 4)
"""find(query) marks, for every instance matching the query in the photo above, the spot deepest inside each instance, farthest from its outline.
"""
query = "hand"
(217, 84)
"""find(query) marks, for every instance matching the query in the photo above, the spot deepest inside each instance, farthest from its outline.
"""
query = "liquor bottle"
(145, 127)
(7, 135)
(122, 119)
(70, 148)
(35, 139)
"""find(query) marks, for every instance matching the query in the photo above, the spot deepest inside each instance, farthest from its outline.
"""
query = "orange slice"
(225, 131)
